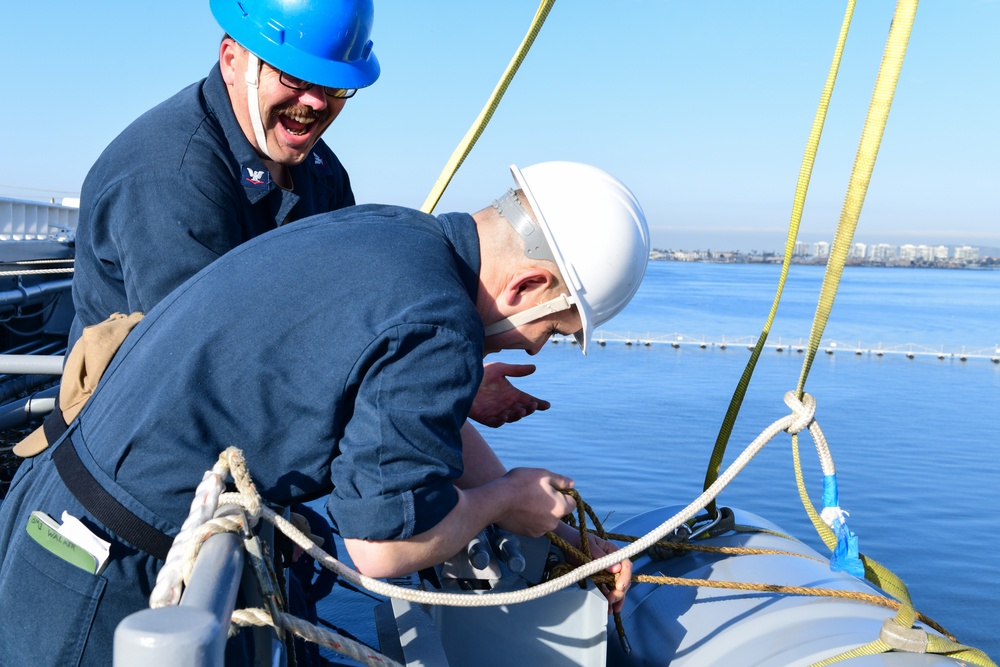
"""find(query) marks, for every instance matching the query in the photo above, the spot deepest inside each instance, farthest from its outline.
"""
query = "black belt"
(104, 507)
(54, 425)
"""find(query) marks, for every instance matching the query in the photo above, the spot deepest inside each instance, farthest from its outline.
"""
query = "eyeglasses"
(289, 81)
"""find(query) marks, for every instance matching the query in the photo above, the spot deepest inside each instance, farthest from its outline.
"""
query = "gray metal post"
(194, 633)
(31, 364)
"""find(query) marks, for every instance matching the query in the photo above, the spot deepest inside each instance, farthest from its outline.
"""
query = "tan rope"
(312, 633)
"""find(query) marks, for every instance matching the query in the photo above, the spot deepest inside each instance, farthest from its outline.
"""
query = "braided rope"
(248, 497)
(32, 272)
(317, 635)
(55, 260)
(180, 558)
(806, 409)
(209, 496)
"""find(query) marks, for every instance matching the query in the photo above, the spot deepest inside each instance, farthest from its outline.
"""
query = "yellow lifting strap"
(801, 187)
(864, 163)
(468, 141)
(898, 633)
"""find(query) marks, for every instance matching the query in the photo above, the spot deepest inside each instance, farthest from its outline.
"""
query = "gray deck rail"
(194, 632)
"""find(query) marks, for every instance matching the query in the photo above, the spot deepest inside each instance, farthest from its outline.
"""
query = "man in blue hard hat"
(231, 157)
(226, 159)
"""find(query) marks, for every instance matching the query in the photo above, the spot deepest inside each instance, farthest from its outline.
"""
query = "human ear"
(529, 284)
(228, 60)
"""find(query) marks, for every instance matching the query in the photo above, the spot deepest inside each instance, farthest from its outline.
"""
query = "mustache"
(300, 111)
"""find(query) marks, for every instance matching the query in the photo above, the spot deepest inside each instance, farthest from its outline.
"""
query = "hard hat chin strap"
(253, 103)
(551, 307)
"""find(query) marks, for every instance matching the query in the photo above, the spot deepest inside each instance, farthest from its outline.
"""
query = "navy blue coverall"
(341, 354)
(177, 189)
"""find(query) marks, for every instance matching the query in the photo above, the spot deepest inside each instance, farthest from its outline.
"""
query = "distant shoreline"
(709, 257)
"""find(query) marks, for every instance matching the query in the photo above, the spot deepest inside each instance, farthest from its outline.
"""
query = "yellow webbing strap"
(864, 163)
(468, 141)
(801, 187)
(898, 633)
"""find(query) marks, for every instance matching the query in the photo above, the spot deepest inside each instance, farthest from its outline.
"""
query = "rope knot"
(804, 411)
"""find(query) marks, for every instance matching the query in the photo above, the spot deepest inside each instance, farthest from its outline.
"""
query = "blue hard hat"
(326, 42)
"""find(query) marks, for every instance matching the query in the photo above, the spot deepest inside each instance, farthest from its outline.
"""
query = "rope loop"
(804, 411)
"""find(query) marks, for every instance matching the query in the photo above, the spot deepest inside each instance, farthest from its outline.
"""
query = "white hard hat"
(596, 231)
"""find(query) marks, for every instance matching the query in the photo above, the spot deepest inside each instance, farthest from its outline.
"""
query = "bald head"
(522, 298)
(504, 232)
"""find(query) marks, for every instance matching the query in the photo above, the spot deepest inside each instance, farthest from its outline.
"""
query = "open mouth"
(297, 121)
(297, 124)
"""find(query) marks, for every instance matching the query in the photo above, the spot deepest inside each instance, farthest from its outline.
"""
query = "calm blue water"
(914, 440)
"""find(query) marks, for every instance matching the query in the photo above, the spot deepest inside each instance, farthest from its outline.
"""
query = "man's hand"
(498, 402)
(535, 501)
(598, 549)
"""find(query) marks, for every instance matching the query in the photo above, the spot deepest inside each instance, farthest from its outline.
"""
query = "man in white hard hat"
(359, 391)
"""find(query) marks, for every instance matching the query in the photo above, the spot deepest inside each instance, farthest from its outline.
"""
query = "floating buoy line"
(830, 347)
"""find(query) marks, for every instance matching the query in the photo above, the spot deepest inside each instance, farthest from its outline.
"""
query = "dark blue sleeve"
(163, 228)
(401, 447)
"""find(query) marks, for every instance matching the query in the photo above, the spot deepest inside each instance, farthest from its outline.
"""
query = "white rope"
(802, 417)
(209, 495)
(315, 634)
(806, 409)
(180, 558)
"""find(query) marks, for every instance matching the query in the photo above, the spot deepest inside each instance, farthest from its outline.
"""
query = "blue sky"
(702, 108)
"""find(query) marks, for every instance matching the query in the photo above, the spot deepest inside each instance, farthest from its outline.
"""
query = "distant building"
(881, 252)
(966, 254)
